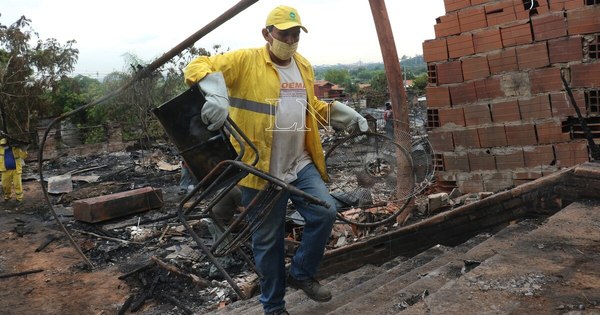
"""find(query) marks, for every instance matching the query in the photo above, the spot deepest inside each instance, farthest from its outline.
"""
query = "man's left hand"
(343, 117)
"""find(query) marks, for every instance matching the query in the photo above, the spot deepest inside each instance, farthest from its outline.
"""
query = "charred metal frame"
(250, 219)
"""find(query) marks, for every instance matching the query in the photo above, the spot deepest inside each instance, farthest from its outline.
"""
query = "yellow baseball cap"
(284, 17)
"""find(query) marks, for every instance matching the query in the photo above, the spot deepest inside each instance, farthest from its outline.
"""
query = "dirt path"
(63, 287)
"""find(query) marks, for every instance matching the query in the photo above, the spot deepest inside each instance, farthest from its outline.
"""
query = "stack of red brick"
(497, 107)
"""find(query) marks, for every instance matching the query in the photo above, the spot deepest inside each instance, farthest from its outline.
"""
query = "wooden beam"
(391, 62)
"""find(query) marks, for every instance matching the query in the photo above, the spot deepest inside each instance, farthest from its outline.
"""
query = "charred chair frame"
(221, 179)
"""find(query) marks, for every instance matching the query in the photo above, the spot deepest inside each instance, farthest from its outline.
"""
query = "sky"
(339, 31)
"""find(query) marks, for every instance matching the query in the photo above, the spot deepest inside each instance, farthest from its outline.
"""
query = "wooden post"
(398, 98)
(391, 62)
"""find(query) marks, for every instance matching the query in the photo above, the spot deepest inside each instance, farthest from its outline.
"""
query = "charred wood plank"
(22, 273)
(141, 299)
(176, 302)
(126, 305)
(136, 270)
(49, 239)
(203, 283)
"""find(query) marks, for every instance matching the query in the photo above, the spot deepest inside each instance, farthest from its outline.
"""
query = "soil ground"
(63, 286)
(62, 282)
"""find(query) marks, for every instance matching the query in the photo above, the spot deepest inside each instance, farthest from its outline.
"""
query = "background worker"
(12, 159)
(269, 94)
(388, 118)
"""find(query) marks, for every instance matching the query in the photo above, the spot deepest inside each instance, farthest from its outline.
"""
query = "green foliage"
(340, 77)
(95, 134)
(337, 76)
(373, 73)
(379, 81)
(30, 75)
(419, 84)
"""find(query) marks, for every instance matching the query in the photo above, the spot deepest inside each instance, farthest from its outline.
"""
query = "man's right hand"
(215, 110)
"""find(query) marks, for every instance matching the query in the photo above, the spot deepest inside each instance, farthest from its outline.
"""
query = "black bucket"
(199, 147)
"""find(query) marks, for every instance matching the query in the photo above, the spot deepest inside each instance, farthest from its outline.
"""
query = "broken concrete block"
(455, 193)
(484, 194)
(437, 201)
(116, 205)
(60, 184)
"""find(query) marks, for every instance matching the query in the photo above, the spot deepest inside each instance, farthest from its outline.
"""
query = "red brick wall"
(517, 34)
(451, 116)
(542, 155)
(535, 108)
(487, 40)
(499, 93)
(520, 135)
(562, 107)
(461, 45)
(532, 56)
(585, 75)
(549, 26)
(475, 68)
(449, 72)
(466, 138)
(493, 136)
(545, 80)
(447, 25)
(477, 115)
(453, 5)
(510, 159)
(437, 96)
(583, 21)
(565, 49)
(463, 93)
(435, 50)
(571, 154)
(506, 111)
(500, 12)
(503, 61)
(482, 161)
(472, 19)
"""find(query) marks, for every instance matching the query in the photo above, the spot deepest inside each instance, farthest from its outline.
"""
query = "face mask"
(282, 50)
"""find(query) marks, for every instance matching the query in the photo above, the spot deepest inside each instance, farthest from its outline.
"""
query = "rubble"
(153, 252)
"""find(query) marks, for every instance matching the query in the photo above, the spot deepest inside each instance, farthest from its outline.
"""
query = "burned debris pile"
(159, 261)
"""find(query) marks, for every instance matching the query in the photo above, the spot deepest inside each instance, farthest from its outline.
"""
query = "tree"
(419, 84)
(133, 106)
(379, 90)
(341, 77)
(29, 75)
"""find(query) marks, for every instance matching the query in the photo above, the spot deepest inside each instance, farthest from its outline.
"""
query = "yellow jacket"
(20, 157)
(253, 85)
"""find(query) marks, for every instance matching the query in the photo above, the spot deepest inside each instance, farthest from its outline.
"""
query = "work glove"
(215, 110)
(344, 117)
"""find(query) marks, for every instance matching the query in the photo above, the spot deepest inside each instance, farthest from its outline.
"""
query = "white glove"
(215, 110)
(343, 117)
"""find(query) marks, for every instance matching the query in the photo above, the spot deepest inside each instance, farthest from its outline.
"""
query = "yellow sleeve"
(24, 154)
(322, 109)
(197, 69)
(230, 64)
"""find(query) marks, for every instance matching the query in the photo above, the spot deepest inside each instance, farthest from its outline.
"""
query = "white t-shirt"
(288, 155)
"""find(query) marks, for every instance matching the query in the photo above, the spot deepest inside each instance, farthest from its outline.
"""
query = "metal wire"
(369, 170)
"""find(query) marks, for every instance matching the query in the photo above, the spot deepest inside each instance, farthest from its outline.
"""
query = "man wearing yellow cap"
(269, 94)
(11, 165)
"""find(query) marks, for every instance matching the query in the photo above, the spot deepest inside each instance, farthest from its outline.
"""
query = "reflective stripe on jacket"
(19, 156)
(253, 85)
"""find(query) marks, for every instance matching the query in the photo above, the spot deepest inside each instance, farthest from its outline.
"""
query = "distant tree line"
(349, 76)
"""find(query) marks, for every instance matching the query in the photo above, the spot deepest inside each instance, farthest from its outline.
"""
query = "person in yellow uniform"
(269, 93)
(12, 159)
